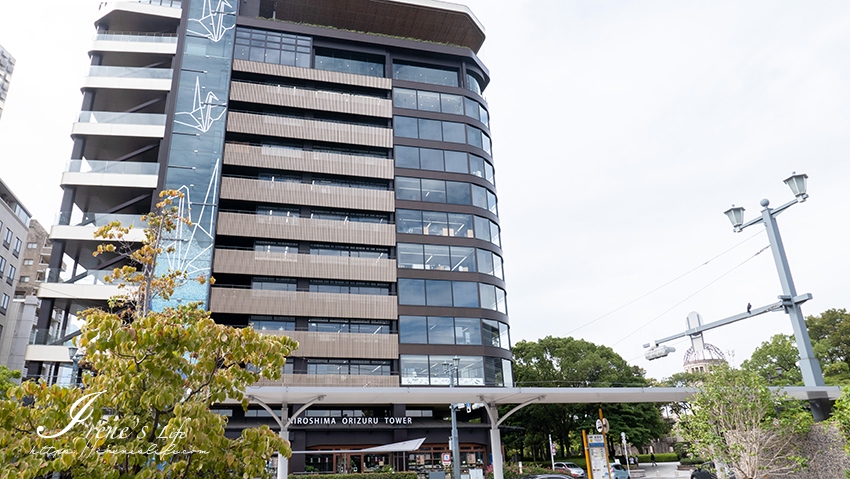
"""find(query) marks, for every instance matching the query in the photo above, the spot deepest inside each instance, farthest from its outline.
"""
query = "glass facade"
(435, 130)
(425, 74)
(197, 143)
(428, 370)
(272, 47)
(443, 160)
(439, 223)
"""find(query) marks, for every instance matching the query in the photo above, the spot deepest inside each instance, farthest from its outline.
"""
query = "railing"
(52, 338)
(121, 118)
(130, 72)
(101, 219)
(62, 380)
(87, 277)
(164, 3)
(112, 167)
(137, 37)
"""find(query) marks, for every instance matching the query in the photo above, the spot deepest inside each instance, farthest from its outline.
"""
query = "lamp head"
(446, 366)
(736, 216)
(456, 361)
(797, 183)
(72, 351)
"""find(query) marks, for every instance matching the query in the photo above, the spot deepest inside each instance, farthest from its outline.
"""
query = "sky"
(621, 133)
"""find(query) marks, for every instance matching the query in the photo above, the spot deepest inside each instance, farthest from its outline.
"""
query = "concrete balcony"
(262, 191)
(114, 174)
(108, 123)
(126, 78)
(262, 263)
(291, 303)
(313, 344)
(304, 229)
(75, 292)
(153, 43)
(84, 231)
(47, 354)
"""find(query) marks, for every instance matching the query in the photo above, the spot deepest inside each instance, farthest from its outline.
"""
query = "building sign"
(351, 421)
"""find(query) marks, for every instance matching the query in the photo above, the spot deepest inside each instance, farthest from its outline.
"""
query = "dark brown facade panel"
(448, 240)
(417, 22)
(292, 303)
(408, 310)
(312, 344)
(304, 229)
(247, 189)
(264, 263)
(325, 76)
(311, 161)
(310, 99)
(427, 206)
(454, 349)
(307, 129)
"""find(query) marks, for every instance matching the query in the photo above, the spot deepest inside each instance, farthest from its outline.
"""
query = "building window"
(32, 245)
(448, 131)
(440, 103)
(472, 84)
(272, 323)
(4, 303)
(28, 262)
(273, 284)
(2, 266)
(349, 287)
(349, 62)
(438, 223)
(422, 370)
(11, 277)
(357, 326)
(349, 367)
(443, 160)
(7, 240)
(25, 279)
(459, 294)
(272, 47)
(17, 249)
(436, 257)
(424, 74)
(439, 191)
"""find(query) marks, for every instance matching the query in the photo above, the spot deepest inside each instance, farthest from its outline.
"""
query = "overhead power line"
(662, 286)
(691, 296)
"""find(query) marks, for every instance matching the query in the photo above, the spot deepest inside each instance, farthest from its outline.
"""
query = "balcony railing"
(112, 167)
(93, 277)
(137, 37)
(52, 337)
(164, 3)
(101, 219)
(121, 118)
(130, 72)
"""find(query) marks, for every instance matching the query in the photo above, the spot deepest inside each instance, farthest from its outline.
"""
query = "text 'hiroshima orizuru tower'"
(337, 159)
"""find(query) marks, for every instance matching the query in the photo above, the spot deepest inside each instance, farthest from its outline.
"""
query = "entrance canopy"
(497, 396)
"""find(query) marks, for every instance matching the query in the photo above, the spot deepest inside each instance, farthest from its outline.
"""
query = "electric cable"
(691, 296)
(663, 285)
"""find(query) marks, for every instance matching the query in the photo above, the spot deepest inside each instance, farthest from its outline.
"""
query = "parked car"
(569, 467)
(618, 471)
(707, 470)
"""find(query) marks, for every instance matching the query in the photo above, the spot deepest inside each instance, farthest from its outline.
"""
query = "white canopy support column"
(496, 437)
(283, 423)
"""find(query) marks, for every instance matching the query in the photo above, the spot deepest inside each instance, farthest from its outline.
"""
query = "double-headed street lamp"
(451, 369)
(812, 375)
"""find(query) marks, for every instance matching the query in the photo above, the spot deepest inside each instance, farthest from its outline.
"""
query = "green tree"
(734, 421)
(6, 376)
(682, 380)
(145, 413)
(779, 356)
(830, 333)
(569, 362)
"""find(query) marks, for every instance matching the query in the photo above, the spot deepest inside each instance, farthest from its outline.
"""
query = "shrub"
(666, 457)
(690, 461)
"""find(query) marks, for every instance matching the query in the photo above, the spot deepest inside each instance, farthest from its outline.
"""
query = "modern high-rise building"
(337, 164)
(7, 66)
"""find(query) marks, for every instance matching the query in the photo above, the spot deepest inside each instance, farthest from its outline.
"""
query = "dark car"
(707, 470)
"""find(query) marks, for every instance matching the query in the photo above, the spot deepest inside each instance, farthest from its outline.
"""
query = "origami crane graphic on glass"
(212, 21)
(202, 115)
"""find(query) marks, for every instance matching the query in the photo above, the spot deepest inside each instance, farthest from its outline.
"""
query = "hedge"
(666, 457)
(689, 461)
(365, 475)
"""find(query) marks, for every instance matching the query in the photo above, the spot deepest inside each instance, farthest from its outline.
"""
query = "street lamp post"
(809, 366)
(451, 369)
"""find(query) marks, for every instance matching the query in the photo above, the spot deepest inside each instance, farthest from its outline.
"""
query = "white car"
(569, 467)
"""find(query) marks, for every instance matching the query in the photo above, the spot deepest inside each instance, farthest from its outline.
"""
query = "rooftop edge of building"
(425, 20)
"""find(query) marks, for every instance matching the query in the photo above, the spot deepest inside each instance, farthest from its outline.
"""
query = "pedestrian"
(652, 458)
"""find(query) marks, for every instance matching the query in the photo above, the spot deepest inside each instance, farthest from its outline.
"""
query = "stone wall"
(825, 449)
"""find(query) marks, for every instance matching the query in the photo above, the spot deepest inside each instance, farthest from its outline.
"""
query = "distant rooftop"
(427, 20)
